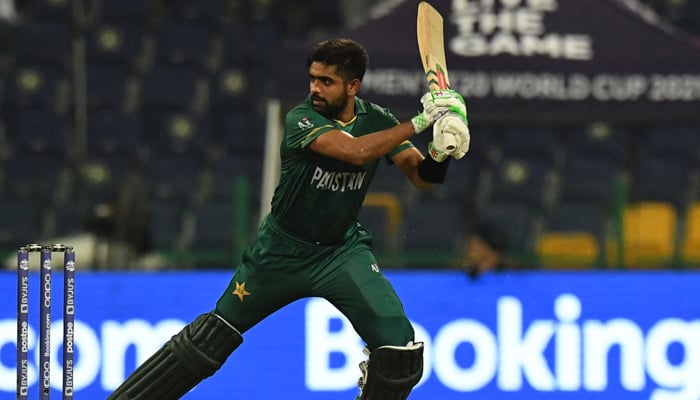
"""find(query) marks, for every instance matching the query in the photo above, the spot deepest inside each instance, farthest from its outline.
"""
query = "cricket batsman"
(311, 243)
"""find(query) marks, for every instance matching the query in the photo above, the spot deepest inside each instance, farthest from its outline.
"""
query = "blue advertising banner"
(539, 335)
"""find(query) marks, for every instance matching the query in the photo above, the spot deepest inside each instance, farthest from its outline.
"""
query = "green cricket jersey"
(319, 198)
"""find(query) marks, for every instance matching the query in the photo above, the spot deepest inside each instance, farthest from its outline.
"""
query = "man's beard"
(330, 110)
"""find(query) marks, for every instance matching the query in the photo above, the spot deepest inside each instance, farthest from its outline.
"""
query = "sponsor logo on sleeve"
(305, 124)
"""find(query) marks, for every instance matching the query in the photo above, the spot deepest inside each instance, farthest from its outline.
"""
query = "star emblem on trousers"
(240, 291)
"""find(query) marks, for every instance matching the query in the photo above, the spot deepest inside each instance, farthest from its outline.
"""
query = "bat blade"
(431, 46)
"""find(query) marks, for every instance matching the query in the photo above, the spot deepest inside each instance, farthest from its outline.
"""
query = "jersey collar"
(360, 106)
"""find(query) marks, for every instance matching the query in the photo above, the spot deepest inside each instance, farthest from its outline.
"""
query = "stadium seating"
(67, 219)
(113, 133)
(567, 250)
(190, 44)
(223, 179)
(598, 141)
(573, 216)
(585, 179)
(229, 90)
(33, 178)
(239, 132)
(516, 221)
(35, 86)
(649, 236)
(169, 87)
(5, 41)
(539, 145)
(573, 236)
(671, 142)
(49, 10)
(97, 179)
(263, 36)
(133, 11)
(166, 221)
(236, 46)
(177, 133)
(520, 181)
(43, 43)
(690, 245)
(41, 132)
(22, 222)
(201, 11)
(663, 178)
(110, 87)
(119, 45)
(175, 178)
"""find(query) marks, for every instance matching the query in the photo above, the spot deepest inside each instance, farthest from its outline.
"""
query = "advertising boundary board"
(528, 335)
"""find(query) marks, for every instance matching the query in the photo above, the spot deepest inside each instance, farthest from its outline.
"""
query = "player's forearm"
(378, 144)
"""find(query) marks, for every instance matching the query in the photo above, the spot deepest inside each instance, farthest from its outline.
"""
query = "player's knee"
(390, 332)
(391, 372)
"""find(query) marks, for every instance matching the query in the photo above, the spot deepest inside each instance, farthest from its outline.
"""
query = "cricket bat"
(431, 46)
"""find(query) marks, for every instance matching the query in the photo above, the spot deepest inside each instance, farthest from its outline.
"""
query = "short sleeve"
(303, 126)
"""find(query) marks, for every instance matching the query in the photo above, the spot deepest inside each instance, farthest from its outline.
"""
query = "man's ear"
(354, 86)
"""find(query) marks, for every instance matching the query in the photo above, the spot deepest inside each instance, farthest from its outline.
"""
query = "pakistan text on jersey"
(337, 181)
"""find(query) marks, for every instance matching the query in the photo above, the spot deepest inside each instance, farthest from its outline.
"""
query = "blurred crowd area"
(136, 128)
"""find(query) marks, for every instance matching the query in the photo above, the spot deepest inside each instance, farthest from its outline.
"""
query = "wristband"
(432, 171)
(420, 123)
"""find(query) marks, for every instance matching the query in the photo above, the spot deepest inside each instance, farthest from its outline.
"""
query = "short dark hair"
(347, 55)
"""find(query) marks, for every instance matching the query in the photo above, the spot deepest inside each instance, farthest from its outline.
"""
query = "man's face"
(329, 95)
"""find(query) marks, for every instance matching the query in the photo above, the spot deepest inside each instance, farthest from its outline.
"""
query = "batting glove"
(436, 153)
(437, 103)
(451, 135)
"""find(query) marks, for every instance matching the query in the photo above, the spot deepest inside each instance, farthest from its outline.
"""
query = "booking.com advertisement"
(548, 335)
